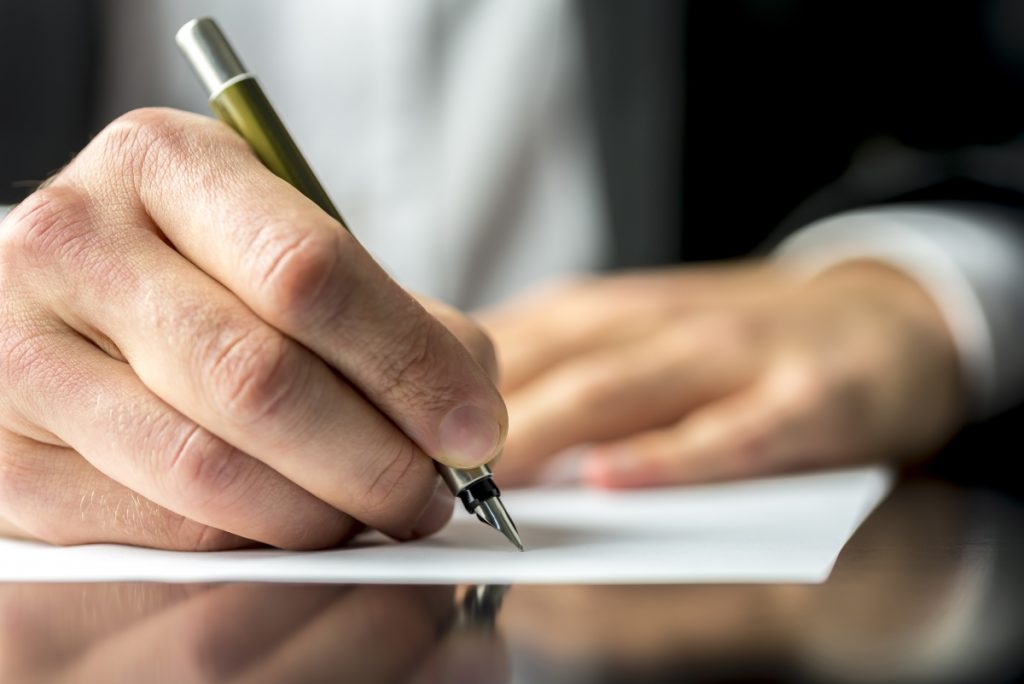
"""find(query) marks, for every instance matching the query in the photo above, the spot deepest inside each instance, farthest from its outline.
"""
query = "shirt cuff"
(971, 261)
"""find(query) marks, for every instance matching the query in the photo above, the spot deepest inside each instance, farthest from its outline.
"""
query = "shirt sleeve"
(971, 261)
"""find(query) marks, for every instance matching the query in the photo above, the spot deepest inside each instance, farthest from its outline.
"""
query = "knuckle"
(250, 373)
(731, 331)
(141, 141)
(801, 388)
(399, 471)
(25, 358)
(408, 370)
(348, 276)
(52, 224)
(205, 469)
(149, 144)
(294, 271)
(591, 388)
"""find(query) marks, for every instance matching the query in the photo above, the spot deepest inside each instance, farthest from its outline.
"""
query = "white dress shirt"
(971, 262)
(451, 135)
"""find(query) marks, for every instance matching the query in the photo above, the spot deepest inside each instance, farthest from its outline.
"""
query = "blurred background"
(481, 148)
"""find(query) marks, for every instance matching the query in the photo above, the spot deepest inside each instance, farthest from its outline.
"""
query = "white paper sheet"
(786, 529)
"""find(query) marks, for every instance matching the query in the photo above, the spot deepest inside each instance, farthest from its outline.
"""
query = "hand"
(194, 356)
(697, 374)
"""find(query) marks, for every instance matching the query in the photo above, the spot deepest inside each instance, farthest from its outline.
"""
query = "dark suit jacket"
(722, 124)
(727, 124)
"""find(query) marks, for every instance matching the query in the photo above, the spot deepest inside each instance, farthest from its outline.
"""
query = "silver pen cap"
(210, 55)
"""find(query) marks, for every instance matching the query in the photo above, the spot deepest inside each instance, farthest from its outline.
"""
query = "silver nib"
(492, 512)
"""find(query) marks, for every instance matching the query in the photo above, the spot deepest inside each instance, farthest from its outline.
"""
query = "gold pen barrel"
(244, 107)
(238, 100)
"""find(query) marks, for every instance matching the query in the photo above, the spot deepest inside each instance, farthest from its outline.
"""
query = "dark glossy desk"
(930, 589)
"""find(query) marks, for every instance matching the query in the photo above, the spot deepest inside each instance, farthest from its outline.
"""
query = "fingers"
(781, 423)
(199, 349)
(559, 322)
(704, 447)
(623, 390)
(131, 436)
(299, 271)
(52, 494)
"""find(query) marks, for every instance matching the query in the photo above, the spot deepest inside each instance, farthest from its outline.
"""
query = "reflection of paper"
(776, 530)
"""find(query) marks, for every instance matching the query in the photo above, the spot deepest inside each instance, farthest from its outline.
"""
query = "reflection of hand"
(193, 355)
(721, 372)
(645, 626)
(208, 633)
(922, 567)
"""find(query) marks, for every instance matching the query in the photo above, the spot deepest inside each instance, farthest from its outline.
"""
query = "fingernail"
(469, 436)
(565, 468)
(437, 512)
(607, 467)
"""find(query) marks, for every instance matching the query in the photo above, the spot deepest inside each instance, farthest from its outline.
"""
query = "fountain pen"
(237, 99)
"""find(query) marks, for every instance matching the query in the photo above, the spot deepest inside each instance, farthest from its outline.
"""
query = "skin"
(194, 356)
(727, 371)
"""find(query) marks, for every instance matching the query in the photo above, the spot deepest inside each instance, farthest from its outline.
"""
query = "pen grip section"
(243, 106)
(458, 479)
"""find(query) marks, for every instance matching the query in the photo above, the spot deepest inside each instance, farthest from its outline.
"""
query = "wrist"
(897, 338)
(879, 282)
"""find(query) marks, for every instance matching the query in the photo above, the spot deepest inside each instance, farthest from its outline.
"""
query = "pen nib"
(492, 512)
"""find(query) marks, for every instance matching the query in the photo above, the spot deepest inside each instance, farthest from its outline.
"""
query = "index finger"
(300, 271)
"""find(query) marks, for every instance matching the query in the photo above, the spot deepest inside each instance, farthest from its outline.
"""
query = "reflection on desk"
(928, 590)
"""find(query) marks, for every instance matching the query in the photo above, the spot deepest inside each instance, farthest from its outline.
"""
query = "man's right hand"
(194, 356)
